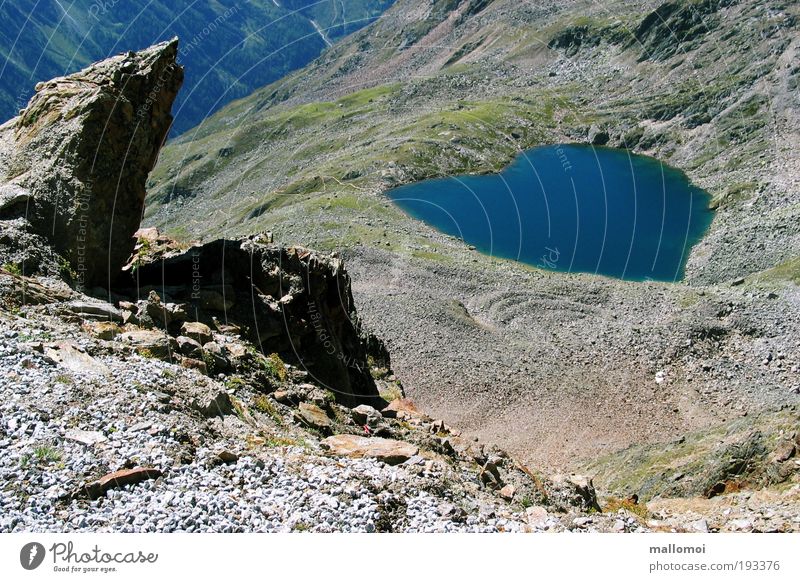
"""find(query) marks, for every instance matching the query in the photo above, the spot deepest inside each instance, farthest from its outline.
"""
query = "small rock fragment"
(97, 489)
(314, 417)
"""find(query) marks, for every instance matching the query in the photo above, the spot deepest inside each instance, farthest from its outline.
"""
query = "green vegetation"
(704, 462)
(338, 175)
(65, 269)
(614, 504)
(13, 269)
(241, 411)
(42, 455)
(735, 193)
(391, 392)
(180, 234)
(237, 41)
(274, 441)
(430, 256)
(688, 299)
(276, 367)
(235, 383)
(264, 404)
(788, 271)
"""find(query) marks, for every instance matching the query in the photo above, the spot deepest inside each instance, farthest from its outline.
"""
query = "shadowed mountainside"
(229, 48)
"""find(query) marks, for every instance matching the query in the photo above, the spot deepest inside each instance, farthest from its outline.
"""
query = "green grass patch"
(276, 367)
(788, 271)
(614, 504)
(264, 404)
(47, 454)
(12, 268)
(391, 392)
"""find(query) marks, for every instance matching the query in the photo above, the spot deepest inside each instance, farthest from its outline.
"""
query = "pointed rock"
(79, 154)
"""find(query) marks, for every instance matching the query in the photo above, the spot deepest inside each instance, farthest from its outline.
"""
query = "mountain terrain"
(261, 399)
(221, 387)
(230, 47)
(563, 368)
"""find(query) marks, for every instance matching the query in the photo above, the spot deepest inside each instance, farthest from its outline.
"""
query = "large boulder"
(73, 165)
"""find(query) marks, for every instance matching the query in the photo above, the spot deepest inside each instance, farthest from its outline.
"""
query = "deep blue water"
(572, 208)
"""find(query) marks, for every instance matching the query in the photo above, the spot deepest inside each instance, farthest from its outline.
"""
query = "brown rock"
(490, 476)
(96, 310)
(214, 356)
(149, 235)
(536, 516)
(199, 332)
(73, 358)
(439, 427)
(313, 416)
(219, 405)
(27, 290)
(402, 407)
(163, 315)
(227, 328)
(193, 364)
(98, 488)
(784, 451)
(105, 330)
(281, 396)
(130, 316)
(320, 325)
(578, 489)
(389, 451)
(227, 457)
(507, 492)
(366, 414)
(236, 350)
(189, 346)
(155, 344)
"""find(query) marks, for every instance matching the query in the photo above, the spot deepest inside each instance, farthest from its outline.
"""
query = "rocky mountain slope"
(225, 386)
(209, 429)
(229, 47)
(562, 367)
(464, 86)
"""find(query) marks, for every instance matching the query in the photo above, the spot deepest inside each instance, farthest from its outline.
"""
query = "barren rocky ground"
(103, 432)
(680, 399)
(562, 367)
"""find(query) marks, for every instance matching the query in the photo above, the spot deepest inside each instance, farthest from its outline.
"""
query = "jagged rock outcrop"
(74, 163)
(672, 26)
(291, 301)
(72, 190)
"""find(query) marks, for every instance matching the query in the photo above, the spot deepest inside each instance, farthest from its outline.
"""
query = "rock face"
(72, 181)
(74, 163)
(291, 301)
